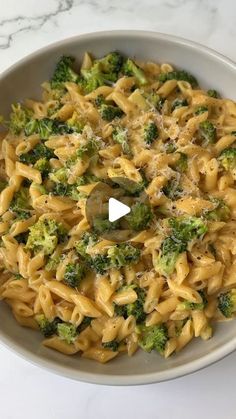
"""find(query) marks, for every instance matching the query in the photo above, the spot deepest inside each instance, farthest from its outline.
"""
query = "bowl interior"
(23, 81)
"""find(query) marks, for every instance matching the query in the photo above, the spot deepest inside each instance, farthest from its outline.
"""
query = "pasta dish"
(87, 291)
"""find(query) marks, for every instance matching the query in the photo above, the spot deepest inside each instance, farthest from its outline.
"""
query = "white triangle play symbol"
(117, 209)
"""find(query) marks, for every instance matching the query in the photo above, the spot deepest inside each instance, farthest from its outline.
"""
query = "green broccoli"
(67, 332)
(45, 235)
(38, 152)
(170, 147)
(181, 165)
(120, 311)
(103, 71)
(187, 229)
(20, 204)
(139, 217)
(46, 327)
(43, 166)
(102, 225)
(178, 75)
(201, 109)
(19, 117)
(221, 211)
(111, 63)
(88, 149)
(136, 309)
(227, 159)
(74, 273)
(52, 263)
(132, 69)
(100, 263)
(88, 239)
(172, 189)
(110, 112)
(227, 303)
(178, 103)
(132, 188)
(213, 93)
(155, 100)
(63, 73)
(59, 175)
(123, 254)
(120, 136)
(113, 345)
(46, 127)
(170, 250)
(183, 230)
(207, 131)
(188, 305)
(153, 337)
(150, 132)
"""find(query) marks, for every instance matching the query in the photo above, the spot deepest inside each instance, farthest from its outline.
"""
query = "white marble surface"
(26, 391)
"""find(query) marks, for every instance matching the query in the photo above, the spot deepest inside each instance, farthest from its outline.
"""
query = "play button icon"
(110, 205)
(116, 209)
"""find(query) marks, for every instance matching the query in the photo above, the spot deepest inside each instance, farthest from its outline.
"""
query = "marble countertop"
(27, 391)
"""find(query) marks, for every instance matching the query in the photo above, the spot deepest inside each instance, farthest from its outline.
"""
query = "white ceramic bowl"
(23, 81)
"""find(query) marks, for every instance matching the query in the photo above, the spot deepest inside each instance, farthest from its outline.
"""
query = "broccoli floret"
(46, 127)
(74, 273)
(43, 166)
(178, 103)
(52, 263)
(221, 211)
(67, 332)
(100, 263)
(111, 63)
(38, 152)
(84, 324)
(170, 147)
(140, 216)
(207, 131)
(188, 305)
(227, 303)
(46, 327)
(153, 337)
(119, 135)
(45, 235)
(183, 231)
(201, 109)
(20, 204)
(59, 175)
(178, 75)
(227, 158)
(187, 229)
(120, 310)
(123, 254)
(87, 240)
(172, 189)
(213, 93)
(113, 345)
(150, 132)
(63, 73)
(61, 189)
(101, 225)
(170, 250)
(132, 69)
(88, 149)
(136, 309)
(110, 112)
(103, 71)
(22, 237)
(182, 163)
(19, 117)
(155, 100)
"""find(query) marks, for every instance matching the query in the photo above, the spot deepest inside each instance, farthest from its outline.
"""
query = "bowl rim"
(102, 378)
